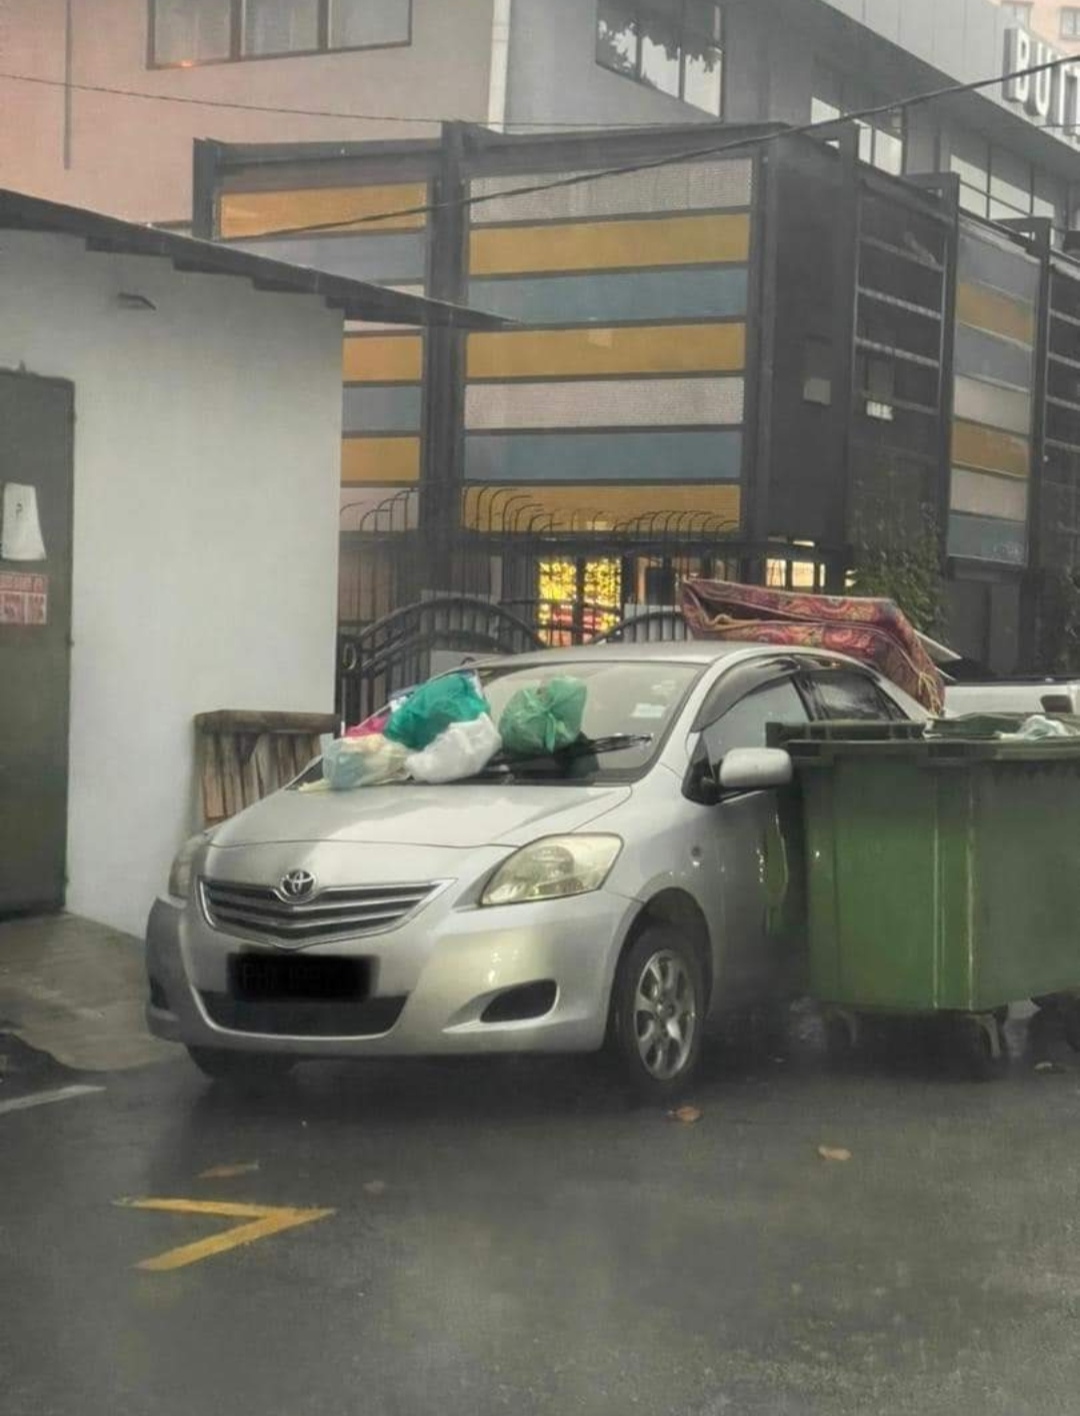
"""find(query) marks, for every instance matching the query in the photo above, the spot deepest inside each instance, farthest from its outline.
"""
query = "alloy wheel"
(665, 1015)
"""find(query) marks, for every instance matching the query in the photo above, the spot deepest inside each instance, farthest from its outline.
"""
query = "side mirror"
(752, 769)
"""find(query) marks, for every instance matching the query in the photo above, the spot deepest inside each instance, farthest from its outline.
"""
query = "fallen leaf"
(833, 1153)
(686, 1114)
(226, 1172)
(375, 1187)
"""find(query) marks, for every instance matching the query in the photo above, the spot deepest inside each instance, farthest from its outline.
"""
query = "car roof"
(690, 651)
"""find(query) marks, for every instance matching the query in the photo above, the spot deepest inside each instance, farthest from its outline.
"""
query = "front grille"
(336, 913)
(287, 1017)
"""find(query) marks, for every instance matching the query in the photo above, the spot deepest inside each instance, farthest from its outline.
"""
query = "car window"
(744, 724)
(844, 695)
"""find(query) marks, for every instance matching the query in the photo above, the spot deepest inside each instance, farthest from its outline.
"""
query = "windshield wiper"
(593, 747)
(501, 765)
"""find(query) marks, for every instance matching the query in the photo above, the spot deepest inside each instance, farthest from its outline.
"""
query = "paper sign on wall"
(24, 599)
(20, 530)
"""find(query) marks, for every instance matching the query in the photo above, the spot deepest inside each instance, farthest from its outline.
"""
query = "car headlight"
(180, 874)
(552, 868)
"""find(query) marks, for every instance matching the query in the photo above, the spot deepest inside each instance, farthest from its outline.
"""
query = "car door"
(756, 845)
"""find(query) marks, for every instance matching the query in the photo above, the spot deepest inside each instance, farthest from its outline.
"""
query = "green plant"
(905, 569)
(1057, 637)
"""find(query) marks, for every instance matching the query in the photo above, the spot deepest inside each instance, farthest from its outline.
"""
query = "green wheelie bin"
(943, 877)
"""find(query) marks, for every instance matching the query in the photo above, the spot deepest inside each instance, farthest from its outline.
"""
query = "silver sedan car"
(626, 891)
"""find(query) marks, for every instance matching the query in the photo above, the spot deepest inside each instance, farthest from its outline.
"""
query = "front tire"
(240, 1068)
(658, 1011)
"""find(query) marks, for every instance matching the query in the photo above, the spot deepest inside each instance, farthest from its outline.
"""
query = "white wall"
(207, 460)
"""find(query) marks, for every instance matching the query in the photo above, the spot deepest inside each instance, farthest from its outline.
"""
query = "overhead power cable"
(186, 99)
(673, 159)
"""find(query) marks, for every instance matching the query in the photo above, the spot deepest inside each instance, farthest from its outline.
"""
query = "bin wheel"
(841, 1034)
(1048, 1002)
(982, 1041)
(1069, 1009)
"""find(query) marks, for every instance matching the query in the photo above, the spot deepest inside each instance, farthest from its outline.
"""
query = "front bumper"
(446, 963)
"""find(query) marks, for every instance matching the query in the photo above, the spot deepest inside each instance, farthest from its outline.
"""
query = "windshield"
(629, 707)
(636, 701)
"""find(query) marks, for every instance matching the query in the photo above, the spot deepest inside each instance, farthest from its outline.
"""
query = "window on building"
(1019, 12)
(362, 24)
(280, 26)
(184, 33)
(881, 138)
(817, 371)
(996, 184)
(675, 46)
(792, 573)
(879, 387)
(1070, 22)
(190, 31)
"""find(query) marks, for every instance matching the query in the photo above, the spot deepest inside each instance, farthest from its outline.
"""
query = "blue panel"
(1012, 271)
(387, 260)
(698, 292)
(710, 456)
(986, 538)
(381, 408)
(985, 356)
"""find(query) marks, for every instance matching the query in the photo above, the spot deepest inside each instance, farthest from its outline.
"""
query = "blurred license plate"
(265, 976)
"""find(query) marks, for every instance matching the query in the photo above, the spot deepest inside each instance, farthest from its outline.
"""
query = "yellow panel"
(997, 313)
(610, 245)
(380, 461)
(597, 508)
(262, 213)
(645, 349)
(391, 358)
(976, 446)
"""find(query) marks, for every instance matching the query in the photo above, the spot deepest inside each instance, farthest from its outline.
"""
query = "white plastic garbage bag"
(461, 751)
(363, 762)
(1040, 726)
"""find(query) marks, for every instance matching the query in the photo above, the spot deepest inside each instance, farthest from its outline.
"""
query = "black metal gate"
(516, 583)
(35, 633)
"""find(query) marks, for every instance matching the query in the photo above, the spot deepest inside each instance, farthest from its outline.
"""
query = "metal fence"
(513, 580)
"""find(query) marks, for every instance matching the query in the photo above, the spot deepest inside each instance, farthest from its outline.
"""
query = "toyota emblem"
(297, 885)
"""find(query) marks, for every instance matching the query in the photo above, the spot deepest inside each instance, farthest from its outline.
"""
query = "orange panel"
(379, 461)
(594, 508)
(243, 214)
(383, 358)
(638, 349)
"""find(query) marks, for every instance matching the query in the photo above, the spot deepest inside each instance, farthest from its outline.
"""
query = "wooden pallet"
(244, 756)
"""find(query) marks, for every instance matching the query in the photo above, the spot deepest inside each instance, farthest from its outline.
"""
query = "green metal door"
(36, 434)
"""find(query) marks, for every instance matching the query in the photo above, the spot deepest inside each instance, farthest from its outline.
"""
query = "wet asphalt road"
(516, 1237)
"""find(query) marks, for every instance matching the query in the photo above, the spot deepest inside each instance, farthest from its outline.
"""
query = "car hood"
(462, 817)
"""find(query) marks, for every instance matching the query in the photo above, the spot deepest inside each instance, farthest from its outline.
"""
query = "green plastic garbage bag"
(453, 698)
(544, 719)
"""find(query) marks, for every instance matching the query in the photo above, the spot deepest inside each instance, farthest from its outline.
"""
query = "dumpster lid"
(930, 752)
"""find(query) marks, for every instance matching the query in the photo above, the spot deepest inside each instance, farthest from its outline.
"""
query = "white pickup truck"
(1014, 696)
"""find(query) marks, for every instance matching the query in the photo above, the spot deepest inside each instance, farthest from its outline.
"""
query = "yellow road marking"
(264, 1221)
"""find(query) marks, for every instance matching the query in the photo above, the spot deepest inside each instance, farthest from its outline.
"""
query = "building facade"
(739, 352)
(101, 104)
(724, 362)
(1049, 19)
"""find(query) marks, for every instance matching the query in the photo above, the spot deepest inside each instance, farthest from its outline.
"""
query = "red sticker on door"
(24, 599)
